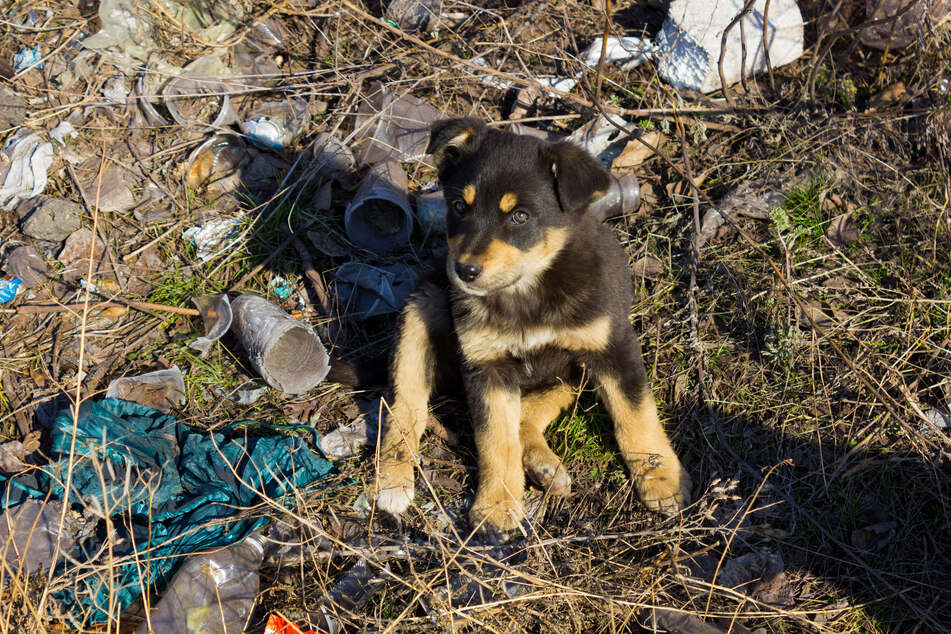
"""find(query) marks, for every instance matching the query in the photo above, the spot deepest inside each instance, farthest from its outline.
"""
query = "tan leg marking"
(541, 464)
(498, 502)
(662, 483)
(406, 420)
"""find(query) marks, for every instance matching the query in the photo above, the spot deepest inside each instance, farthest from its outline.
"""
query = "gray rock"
(114, 193)
(46, 218)
(12, 108)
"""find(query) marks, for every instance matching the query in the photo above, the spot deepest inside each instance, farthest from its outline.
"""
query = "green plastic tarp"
(170, 491)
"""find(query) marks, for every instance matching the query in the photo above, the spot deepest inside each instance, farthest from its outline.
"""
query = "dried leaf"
(635, 152)
(873, 536)
(13, 453)
(648, 267)
(326, 245)
(842, 230)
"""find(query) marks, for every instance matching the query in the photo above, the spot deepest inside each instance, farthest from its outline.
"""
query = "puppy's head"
(512, 202)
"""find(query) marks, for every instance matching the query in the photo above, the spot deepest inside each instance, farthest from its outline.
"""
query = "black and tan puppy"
(537, 288)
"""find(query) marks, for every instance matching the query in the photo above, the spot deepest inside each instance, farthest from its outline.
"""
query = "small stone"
(46, 218)
(114, 193)
(25, 263)
(75, 253)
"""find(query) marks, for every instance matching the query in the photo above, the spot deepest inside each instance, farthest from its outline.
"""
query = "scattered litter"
(553, 82)
(216, 163)
(276, 624)
(47, 218)
(917, 19)
(62, 130)
(412, 15)
(24, 263)
(630, 51)
(367, 291)
(601, 137)
(286, 352)
(941, 420)
(29, 535)
(431, 214)
(14, 452)
(689, 41)
(167, 477)
(197, 98)
(273, 125)
(27, 58)
(25, 159)
(161, 390)
(622, 197)
(8, 289)
(362, 506)
(332, 158)
(212, 237)
(281, 287)
(873, 536)
(217, 316)
(843, 230)
(392, 127)
(379, 217)
(347, 440)
(635, 152)
(327, 245)
(211, 592)
(679, 622)
(247, 394)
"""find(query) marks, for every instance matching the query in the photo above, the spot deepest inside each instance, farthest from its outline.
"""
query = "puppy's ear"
(451, 138)
(580, 178)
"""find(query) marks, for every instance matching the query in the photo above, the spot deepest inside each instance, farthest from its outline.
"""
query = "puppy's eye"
(459, 206)
(520, 217)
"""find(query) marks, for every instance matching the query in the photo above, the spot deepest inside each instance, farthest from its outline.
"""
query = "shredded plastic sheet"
(172, 490)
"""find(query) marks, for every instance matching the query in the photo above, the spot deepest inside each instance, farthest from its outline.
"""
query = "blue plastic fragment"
(281, 287)
(27, 58)
(8, 289)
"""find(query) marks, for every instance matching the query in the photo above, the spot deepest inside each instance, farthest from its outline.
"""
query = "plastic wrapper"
(28, 534)
(379, 217)
(24, 162)
(286, 352)
(217, 316)
(367, 291)
(392, 127)
(413, 15)
(161, 390)
(198, 99)
(689, 41)
(211, 593)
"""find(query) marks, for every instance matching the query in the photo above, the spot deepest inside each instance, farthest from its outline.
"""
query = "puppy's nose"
(468, 272)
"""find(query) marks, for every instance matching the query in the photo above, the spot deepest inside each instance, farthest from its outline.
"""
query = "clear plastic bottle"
(211, 593)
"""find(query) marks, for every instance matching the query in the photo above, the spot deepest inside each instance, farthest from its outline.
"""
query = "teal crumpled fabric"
(171, 492)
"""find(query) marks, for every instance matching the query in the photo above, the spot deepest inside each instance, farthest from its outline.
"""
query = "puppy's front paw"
(395, 487)
(664, 488)
(496, 515)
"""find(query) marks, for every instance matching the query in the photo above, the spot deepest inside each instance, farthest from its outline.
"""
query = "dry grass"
(793, 372)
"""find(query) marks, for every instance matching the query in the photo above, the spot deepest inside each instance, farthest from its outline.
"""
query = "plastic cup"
(379, 217)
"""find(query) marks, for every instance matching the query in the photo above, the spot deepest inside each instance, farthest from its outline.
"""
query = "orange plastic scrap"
(279, 625)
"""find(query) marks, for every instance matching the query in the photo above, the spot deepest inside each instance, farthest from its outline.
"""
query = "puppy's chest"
(484, 343)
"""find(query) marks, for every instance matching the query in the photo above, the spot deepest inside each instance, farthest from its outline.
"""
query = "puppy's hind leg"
(424, 319)
(539, 409)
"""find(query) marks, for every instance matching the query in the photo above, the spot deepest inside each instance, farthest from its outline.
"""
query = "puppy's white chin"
(468, 290)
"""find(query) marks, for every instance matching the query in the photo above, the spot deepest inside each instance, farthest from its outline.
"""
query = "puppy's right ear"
(451, 138)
